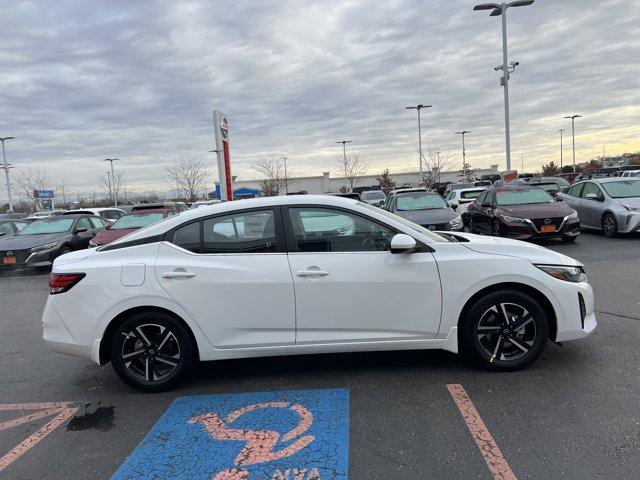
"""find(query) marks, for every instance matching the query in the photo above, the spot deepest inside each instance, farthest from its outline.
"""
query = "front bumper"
(629, 222)
(529, 230)
(577, 318)
(26, 259)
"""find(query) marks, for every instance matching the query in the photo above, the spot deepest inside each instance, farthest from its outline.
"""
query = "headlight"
(509, 219)
(46, 246)
(456, 222)
(573, 216)
(568, 274)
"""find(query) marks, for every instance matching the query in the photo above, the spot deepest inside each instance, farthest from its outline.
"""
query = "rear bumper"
(58, 336)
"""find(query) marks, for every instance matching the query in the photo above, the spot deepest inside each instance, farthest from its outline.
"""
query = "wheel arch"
(105, 354)
(537, 295)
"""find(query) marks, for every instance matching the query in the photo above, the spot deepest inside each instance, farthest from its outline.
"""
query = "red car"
(130, 223)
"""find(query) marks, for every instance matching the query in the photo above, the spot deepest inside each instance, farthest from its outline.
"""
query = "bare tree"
(274, 175)
(353, 167)
(30, 179)
(435, 161)
(189, 175)
(113, 185)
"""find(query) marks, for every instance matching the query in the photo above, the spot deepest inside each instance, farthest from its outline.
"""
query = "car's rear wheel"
(152, 351)
(609, 225)
(506, 330)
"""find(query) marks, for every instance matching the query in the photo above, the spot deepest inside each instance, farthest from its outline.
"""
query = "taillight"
(63, 282)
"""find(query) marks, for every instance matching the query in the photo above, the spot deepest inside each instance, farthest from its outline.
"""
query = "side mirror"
(107, 226)
(2, 234)
(79, 230)
(453, 205)
(402, 243)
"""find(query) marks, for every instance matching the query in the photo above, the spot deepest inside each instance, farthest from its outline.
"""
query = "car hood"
(516, 248)
(422, 217)
(537, 210)
(107, 236)
(24, 242)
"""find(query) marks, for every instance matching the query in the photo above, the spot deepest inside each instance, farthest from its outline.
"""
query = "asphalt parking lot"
(573, 414)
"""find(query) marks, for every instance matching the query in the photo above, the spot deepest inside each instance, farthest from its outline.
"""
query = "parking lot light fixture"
(418, 108)
(6, 167)
(464, 151)
(113, 179)
(573, 137)
(500, 9)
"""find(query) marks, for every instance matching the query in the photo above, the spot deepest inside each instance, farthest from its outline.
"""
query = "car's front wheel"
(609, 225)
(505, 330)
(152, 351)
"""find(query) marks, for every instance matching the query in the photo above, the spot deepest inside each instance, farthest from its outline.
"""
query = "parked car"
(45, 213)
(611, 204)
(45, 239)
(351, 195)
(374, 197)
(630, 173)
(176, 206)
(427, 209)
(439, 187)
(459, 186)
(109, 215)
(11, 227)
(129, 223)
(13, 216)
(202, 203)
(522, 212)
(460, 200)
(497, 301)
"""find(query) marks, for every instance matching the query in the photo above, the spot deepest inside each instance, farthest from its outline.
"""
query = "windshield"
(522, 197)
(419, 201)
(413, 226)
(373, 195)
(136, 221)
(54, 225)
(622, 189)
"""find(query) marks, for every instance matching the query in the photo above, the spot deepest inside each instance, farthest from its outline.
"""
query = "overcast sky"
(86, 80)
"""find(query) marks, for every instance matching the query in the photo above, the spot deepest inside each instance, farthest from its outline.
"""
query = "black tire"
(569, 238)
(609, 225)
(496, 230)
(167, 351)
(496, 350)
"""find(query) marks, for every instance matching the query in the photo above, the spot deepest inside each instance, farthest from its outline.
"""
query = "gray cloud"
(138, 80)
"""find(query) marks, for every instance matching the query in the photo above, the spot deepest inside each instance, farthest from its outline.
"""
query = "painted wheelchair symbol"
(260, 445)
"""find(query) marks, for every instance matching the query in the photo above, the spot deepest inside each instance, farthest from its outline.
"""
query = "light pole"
(501, 9)
(286, 179)
(464, 152)
(418, 108)
(561, 132)
(344, 158)
(113, 180)
(6, 168)
(573, 137)
(109, 185)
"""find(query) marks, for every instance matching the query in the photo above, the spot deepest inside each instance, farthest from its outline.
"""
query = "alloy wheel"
(506, 332)
(609, 226)
(150, 352)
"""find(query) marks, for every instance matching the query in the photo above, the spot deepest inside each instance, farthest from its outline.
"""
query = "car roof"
(426, 192)
(515, 187)
(471, 189)
(611, 179)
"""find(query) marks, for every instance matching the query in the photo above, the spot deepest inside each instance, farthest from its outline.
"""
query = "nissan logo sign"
(547, 221)
(9, 253)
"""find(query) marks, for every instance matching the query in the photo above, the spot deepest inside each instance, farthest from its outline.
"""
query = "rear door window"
(246, 232)
(188, 237)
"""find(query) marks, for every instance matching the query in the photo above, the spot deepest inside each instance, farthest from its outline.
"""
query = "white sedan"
(308, 274)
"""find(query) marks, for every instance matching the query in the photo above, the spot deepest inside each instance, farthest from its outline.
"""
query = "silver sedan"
(608, 204)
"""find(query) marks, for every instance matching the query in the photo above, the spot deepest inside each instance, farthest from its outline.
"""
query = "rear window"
(471, 194)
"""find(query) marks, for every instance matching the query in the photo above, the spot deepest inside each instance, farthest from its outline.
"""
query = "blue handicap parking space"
(290, 435)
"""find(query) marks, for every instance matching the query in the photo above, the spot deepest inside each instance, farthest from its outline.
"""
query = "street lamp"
(501, 9)
(6, 167)
(113, 179)
(573, 137)
(418, 108)
(464, 151)
(561, 132)
(344, 157)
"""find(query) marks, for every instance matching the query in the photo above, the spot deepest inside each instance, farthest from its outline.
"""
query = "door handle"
(178, 275)
(312, 273)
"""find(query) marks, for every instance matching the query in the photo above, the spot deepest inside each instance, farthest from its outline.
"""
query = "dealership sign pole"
(221, 128)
